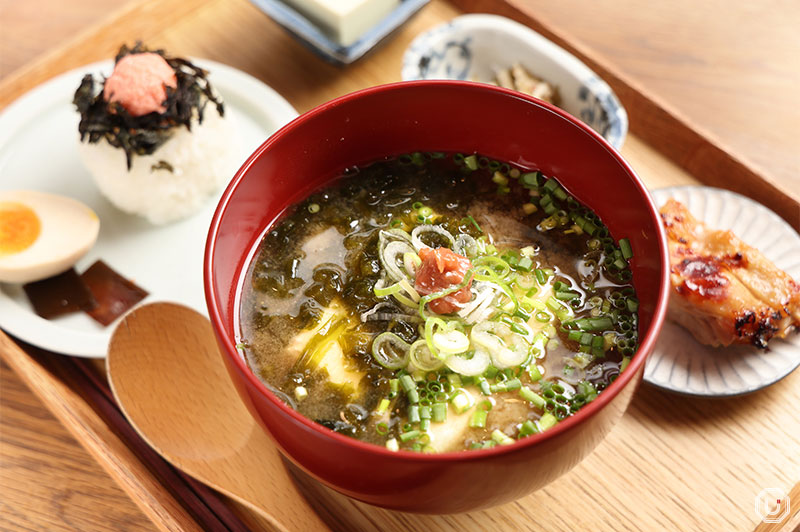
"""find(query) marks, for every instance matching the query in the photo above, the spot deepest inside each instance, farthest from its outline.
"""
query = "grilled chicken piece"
(725, 291)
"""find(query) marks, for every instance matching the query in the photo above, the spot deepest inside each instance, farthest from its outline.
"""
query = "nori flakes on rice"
(142, 135)
(173, 160)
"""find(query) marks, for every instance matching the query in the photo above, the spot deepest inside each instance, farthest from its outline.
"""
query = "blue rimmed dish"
(476, 47)
(319, 42)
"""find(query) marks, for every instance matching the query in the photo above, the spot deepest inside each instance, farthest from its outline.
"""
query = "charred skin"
(725, 291)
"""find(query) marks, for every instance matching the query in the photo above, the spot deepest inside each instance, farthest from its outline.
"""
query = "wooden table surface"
(733, 68)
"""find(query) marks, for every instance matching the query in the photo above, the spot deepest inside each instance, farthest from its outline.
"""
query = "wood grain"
(672, 463)
(732, 69)
(25, 33)
(44, 472)
(85, 425)
(662, 122)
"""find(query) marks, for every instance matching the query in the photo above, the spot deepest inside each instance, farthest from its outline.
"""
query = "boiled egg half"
(42, 234)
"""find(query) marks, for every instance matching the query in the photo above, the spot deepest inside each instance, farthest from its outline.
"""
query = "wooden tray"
(671, 463)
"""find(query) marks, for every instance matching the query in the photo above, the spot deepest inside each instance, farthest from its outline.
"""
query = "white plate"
(38, 150)
(679, 363)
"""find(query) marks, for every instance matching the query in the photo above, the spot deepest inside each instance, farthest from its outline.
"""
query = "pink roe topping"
(139, 83)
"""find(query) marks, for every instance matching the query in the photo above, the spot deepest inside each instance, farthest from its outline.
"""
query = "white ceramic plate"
(38, 150)
(679, 363)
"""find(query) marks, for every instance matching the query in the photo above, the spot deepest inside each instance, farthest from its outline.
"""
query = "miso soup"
(439, 302)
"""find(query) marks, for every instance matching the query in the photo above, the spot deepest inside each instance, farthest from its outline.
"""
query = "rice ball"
(174, 181)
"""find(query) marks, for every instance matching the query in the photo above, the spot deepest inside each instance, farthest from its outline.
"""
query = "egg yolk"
(19, 227)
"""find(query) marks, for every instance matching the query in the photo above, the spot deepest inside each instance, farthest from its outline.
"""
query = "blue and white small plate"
(679, 363)
(312, 36)
(476, 47)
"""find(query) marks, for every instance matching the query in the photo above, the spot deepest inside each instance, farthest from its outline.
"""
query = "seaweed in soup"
(438, 302)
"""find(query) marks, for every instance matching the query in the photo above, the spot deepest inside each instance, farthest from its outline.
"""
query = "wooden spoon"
(171, 383)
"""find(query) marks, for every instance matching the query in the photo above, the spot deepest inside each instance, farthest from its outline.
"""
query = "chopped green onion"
(534, 373)
(598, 342)
(483, 384)
(625, 248)
(567, 295)
(410, 435)
(575, 336)
(525, 264)
(500, 179)
(393, 387)
(501, 437)
(491, 268)
(408, 383)
(550, 185)
(527, 429)
(413, 414)
(390, 351)
(439, 412)
(450, 342)
(313, 208)
(413, 396)
(471, 162)
(478, 419)
(454, 379)
(547, 421)
(472, 220)
(531, 179)
(382, 291)
(383, 406)
(461, 401)
(560, 309)
(592, 324)
(532, 397)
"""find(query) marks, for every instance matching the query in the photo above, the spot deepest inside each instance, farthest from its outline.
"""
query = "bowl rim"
(423, 42)
(585, 413)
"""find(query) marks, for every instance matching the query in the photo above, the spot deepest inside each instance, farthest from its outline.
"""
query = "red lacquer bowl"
(432, 116)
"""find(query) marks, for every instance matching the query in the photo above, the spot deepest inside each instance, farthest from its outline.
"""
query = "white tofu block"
(345, 20)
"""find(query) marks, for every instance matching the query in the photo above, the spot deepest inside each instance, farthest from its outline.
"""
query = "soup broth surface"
(438, 302)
